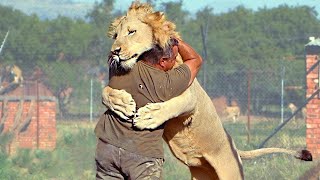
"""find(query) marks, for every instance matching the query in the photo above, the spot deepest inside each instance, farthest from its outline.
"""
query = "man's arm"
(177, 80)
(191, 58)
(154, 114)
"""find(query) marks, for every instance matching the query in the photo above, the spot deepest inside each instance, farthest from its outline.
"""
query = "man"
(124, 152)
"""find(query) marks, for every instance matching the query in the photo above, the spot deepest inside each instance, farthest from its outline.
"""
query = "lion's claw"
(149, 117)
(119, 101)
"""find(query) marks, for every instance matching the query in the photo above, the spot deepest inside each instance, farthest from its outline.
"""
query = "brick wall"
(313, 107)
(39, 133)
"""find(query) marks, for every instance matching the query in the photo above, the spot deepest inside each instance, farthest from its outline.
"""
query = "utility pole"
(204, 33)
(4, 41)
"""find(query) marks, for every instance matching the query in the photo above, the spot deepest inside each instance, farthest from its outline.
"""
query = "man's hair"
(156, 52)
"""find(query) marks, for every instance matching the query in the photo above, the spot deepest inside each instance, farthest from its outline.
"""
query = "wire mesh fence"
(259, 100)
(254, 97)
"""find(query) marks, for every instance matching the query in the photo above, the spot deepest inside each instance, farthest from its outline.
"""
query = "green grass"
(276, 166)
(74, 155)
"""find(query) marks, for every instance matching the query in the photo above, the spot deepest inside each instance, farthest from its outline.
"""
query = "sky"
(225, 5)
(78, 8)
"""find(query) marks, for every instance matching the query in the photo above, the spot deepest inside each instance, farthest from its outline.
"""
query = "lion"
(293, 108)
(10, 78)
(232, 112)
(11, 73)
(193, 129)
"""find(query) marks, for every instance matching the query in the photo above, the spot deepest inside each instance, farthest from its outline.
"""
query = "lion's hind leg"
(226, 162)
(225, 166)
(204, 172)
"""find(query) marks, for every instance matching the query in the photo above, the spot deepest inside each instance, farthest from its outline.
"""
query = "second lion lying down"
(194, 132)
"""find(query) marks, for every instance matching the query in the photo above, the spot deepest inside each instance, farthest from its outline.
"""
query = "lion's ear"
(156, 17)
(113, 26)
(157, 20)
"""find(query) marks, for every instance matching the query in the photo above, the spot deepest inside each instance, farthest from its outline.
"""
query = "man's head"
(162, 58)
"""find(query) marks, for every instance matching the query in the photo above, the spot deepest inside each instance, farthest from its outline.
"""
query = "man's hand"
(119, 101)
(150, 116)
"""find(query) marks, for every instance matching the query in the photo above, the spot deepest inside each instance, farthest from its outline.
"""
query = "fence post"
(91, 99)
(38, 114)
(282, 90)
(313, 107)
(249, 104)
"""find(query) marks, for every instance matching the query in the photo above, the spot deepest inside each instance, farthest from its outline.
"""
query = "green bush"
(7, 170)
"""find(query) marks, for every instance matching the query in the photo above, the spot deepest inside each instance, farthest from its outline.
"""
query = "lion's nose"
(117, 51)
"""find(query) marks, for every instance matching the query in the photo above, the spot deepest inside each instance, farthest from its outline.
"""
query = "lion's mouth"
(118, 59)
(118, 63)
(133, 56)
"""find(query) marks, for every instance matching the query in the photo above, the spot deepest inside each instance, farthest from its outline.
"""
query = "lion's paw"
(120, 102)
(150, 116)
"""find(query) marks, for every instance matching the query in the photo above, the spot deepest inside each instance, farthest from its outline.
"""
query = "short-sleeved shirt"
(146, 84)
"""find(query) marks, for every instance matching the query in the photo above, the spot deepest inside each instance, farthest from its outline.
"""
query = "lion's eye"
(115, 36)
(131, 32)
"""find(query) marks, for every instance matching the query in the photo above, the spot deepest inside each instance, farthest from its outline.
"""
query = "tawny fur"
(232, 112)
(195, 133)
(293, 108)
(6, 74)
(162, 29)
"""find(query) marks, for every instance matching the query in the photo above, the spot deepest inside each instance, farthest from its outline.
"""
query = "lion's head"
(137, 32)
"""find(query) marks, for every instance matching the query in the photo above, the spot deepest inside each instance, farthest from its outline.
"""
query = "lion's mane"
(162, 28)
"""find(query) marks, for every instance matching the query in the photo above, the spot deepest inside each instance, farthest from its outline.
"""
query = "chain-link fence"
(253, 97)
(253, 103)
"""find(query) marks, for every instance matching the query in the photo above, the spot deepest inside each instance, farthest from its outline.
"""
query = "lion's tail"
(304, 155)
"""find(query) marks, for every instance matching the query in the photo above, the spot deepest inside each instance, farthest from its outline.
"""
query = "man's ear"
(162, 62)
